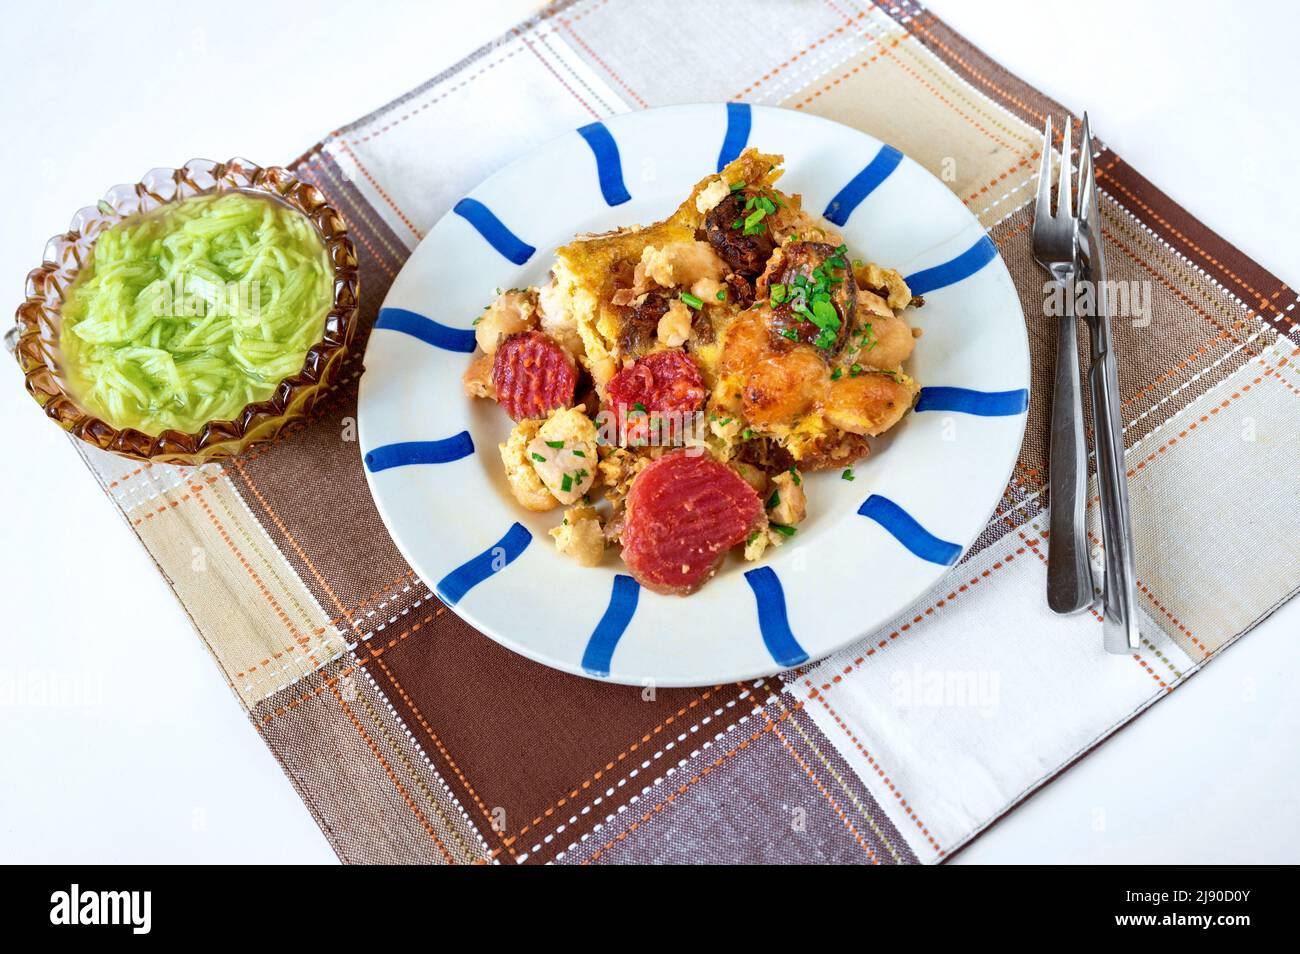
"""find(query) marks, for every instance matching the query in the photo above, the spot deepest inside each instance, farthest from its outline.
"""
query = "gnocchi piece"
(477, 379)
(780, 388)
(681, 263)
(524, 481)
(563, 453)
(581, 535)
(510, 313)
(709, 197)
(872, 276)
(675, 325)
(788, 503)
(869, 403)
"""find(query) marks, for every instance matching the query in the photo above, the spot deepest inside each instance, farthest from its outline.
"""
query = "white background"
(156, 761)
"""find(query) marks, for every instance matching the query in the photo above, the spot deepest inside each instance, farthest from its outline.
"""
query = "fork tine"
(1064, 195)
(1043, 207)
(1087, 185)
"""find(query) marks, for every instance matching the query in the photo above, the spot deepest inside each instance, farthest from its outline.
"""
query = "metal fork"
(1069, 573)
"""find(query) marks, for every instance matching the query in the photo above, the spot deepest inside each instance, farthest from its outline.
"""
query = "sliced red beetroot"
(664, 387)
(684, 512)
(532, 375)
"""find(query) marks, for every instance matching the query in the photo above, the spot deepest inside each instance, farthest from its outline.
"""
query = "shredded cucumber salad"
(189, 312)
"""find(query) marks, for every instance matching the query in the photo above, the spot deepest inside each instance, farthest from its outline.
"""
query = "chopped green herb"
(779, 293)
(795, 474)
(692, 301)
(722, 294)
(737, 186)
(556, 444)
(638, 406)
(835, 375)
(566, 484)
(752, 537)
(774, 500)
(848, 474)
(537, 456)
(578, 453)
(747, 434)
(783, 529)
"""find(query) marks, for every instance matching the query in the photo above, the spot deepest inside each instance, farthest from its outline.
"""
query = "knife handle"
(1119, 595)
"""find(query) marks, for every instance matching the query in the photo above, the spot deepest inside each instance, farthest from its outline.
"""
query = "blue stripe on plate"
(494, 230)
(980, 403)
(739, 119)
(426, 329)
(473, 572)
(862, 185)
(609, 167)
(420, 452)
(949, 273)
(772, 621)
(612, 626)
(904, 528)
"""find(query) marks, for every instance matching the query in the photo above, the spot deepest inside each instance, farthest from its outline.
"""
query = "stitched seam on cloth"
(392, 776)
(568, 25)
(380, 189)
(415, 710)
(609, 766)
(923, 59)
(266, 593)
(1143, 242)
(293, 542)
(334, 622)
(412, 772)
(1102, 174)
(943, 72)
(886, 50)
(844, 786)
(396, 256)
(822, 788)
(329, 681)
(1262, 301)
(568, 68)
(452, 71)
(894, 790)
(1209, 393)
(1182, 256)
(658, 808)
(558, 78)
(799, 54)
(669, 746)
(862, 812)
(271, 570)
(360, 237)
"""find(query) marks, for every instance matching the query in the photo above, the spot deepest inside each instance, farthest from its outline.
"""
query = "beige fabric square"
(262, 624)
(1195, 490)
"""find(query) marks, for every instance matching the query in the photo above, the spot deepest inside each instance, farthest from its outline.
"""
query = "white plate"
(868, 549)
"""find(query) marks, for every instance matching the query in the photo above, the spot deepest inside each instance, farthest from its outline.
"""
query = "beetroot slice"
(664, 386)
(684, 512)
(532, 375)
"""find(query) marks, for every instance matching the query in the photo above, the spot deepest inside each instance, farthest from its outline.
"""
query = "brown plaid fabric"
(413, 738)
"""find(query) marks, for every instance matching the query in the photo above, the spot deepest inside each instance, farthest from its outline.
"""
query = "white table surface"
(151, 759)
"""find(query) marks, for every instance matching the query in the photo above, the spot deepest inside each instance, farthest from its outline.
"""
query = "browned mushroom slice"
(812, 294)
(745, 249)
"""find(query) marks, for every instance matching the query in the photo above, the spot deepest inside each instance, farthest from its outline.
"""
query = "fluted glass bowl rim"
(38, 318)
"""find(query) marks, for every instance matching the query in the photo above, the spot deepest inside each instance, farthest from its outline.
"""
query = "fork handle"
(1069, 573)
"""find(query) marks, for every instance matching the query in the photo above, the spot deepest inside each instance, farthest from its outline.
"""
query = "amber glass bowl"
(39, 316)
